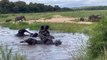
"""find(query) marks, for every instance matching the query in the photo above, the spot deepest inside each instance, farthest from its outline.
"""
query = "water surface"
(70, 45)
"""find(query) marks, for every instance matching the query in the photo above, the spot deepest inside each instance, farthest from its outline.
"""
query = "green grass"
(98, 40)
(54, 26)
(6, 53)
(62, 27)
(48, 15)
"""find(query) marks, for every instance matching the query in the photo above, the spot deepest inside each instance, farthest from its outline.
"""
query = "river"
(71, 43)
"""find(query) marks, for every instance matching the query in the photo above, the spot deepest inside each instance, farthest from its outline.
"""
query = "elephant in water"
(44, 34)
(21, 32)
(32, 41)
(20, 18)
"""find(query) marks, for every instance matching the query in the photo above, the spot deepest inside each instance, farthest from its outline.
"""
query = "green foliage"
(48, 15)
(6, 53)
(93, 8)
(64, 27)
(22, 7)
(16, 25)
(98, 39)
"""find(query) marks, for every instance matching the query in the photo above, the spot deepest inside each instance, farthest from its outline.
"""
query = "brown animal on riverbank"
(20, 18)
(82, 19)
(94, 18)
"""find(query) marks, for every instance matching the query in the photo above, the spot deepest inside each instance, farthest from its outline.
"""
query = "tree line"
(21, 7)
(92, 8)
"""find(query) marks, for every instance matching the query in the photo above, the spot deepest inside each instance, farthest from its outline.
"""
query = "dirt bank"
(60, 19)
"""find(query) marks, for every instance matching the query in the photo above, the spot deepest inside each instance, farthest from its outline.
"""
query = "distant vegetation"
(49, 15)
(92, 8)
(22, 7)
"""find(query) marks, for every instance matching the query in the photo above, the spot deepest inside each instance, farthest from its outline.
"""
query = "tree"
(20, 6)
(4, 5)
(5, 1)
(56, 7)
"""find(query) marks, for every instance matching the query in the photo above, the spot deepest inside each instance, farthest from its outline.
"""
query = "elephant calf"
(21, 32)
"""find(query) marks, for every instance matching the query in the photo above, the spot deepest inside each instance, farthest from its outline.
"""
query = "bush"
(6, 53)
(98, 39)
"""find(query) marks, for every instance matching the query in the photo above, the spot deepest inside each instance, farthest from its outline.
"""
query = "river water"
(71, 44)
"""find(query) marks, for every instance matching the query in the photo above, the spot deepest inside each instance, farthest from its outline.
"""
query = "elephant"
(32, 41)
(44, 34)
(34, 35)
(81, 19)
(20, 18)
(21, 32)
(94, 18)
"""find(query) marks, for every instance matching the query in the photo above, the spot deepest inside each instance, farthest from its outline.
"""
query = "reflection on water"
(70, 45)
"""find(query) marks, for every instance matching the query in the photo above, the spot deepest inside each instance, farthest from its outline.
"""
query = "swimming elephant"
(20, 18)
(94, 18)
(44, 34)
(21, 32)
(44, 30)
(32, 41)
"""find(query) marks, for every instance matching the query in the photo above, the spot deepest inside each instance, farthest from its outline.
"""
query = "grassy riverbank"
(63, 27)
(98, 40)
(48, 15)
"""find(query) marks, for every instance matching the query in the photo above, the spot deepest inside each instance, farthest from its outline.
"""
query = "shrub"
(98, 39)
(6, 53)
